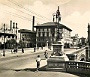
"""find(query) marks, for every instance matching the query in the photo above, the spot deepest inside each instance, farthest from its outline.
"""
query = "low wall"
(77, 67)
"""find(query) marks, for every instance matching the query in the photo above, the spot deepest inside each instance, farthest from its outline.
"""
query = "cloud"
(43, 12)
(74, 13)
(78, 22)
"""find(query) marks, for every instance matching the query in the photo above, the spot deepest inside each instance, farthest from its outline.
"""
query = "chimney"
(13, 25)
(33, 23)
(10, 24)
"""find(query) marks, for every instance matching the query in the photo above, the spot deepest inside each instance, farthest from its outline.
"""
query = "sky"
(75, 13)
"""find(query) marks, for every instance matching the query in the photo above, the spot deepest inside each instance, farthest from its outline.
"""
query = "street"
(24, 65)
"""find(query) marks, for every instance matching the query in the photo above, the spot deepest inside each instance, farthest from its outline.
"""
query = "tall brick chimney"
(33, 23)
(10, 24)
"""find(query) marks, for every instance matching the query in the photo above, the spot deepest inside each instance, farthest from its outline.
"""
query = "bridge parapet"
(80, 54)
(77, 55)
(78, 67)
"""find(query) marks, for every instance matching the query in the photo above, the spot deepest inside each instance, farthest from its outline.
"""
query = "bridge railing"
(77, 54)
(81, 67)
(77, 67)
(79, 50)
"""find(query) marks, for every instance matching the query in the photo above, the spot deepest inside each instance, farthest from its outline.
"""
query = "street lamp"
(4, 40)
(23, 45)
(15, 32)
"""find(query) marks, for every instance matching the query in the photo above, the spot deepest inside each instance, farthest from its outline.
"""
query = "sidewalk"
(8, 52)
(29, 51)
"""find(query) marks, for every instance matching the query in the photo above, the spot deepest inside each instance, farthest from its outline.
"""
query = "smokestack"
(33, 23)
(13, 25)
(10, 24)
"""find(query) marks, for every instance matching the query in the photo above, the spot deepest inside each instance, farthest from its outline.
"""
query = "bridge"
(77, 55)
(77, 62)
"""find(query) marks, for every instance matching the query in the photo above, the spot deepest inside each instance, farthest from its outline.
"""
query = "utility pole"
(4, 41)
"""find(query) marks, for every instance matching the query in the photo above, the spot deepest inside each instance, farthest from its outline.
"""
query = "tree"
(11, 43)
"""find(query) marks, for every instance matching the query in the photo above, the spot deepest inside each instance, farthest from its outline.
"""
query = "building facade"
(83, 41)
(47, 33)
(75, 40)
(27, 37)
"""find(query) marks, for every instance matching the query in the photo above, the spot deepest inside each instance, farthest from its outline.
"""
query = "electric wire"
(19, 5)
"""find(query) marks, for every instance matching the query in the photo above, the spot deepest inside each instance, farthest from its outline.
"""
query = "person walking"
(34, 49)
(38, 59)
(46, 54)
(22, 50)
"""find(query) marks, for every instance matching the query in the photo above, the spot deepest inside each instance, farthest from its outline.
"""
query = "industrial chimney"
(10, 24)
(33, 23)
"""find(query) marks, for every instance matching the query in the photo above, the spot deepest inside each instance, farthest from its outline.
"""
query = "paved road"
(24, 65)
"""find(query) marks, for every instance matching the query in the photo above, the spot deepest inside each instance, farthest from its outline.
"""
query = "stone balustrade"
(77, 67)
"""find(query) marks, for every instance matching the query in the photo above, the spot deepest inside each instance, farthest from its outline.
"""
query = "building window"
(41, 29)
(47, 29)
(38, 29)
(39, 34)
(43, 34)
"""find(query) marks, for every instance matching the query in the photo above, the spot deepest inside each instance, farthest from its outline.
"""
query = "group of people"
(16, 50)
(38, 59)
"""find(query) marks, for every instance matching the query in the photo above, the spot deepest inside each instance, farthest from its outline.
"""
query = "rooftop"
(25, 31)
(50, 24)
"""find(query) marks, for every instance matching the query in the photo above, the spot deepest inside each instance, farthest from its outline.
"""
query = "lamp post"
(23, 45)
(15, 32)
(4, 40)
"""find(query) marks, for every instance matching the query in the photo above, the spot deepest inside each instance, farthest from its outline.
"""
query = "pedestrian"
(34, 49)
(38, 62)
(14, 50)
(22, 50)
(11, 50)
(46, 54)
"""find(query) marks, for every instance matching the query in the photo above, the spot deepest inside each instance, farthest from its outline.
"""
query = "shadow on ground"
(32, 69)
(80, 75)
(44, 69)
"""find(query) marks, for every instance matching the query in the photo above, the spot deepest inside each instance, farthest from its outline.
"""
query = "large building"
(7, 34)
(28, 37)
(47, 33)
